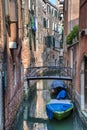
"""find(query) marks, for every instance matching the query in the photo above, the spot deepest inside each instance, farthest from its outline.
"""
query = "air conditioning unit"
(12, 45)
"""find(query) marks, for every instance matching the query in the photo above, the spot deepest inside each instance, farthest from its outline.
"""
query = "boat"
(57, 86)
(59, 109)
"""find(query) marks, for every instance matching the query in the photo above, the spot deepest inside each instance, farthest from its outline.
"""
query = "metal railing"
(48, 72)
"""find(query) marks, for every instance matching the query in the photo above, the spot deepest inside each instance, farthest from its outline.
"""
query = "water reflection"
(25, 125)
(35, 117)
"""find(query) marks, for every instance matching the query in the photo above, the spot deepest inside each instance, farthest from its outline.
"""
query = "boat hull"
(59, 115)
(62, 115)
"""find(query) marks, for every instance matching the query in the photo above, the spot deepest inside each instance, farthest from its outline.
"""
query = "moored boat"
(57, 86)
(59, 109)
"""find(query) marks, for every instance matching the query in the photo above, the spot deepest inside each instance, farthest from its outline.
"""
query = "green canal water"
(34, 115)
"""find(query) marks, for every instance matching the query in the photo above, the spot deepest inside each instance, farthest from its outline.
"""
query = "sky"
(52, 1)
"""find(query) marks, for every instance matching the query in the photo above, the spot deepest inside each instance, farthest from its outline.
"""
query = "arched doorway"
(82, 86)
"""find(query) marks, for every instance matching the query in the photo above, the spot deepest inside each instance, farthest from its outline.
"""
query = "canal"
(34, 115)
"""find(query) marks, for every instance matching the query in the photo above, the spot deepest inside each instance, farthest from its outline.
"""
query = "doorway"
(85, 80)
(84, 83)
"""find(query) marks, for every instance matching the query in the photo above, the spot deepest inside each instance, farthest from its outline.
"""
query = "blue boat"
(59, 109)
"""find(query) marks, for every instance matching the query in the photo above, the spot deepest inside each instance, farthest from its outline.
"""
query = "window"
(44, 22)
(30, 40)
(22, 72)
(52, 26)
(48, 23)
(52, 11)
(53, 42)
(34, 41)
(55, 27)
(50, 41)
(48, 9)
(56, 13)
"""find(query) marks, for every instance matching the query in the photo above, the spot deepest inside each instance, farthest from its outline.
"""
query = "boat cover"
(62, 94)
(51, 108)
(58, 83)
(65, 101)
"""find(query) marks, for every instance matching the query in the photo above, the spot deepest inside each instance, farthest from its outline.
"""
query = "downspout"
(70, 15)
(20, 24)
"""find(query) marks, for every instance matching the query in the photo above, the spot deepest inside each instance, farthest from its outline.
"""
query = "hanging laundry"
(33, 23)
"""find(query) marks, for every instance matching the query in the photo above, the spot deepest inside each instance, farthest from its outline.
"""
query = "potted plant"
(73, 35)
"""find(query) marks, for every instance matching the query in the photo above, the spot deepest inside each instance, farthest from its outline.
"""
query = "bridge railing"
(49, 71)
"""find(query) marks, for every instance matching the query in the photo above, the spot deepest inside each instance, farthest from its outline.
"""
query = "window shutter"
(53, 42)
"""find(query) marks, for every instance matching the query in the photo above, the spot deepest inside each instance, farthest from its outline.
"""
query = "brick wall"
(80, 50)
(83, 15)
(71, 14)
(13, 75)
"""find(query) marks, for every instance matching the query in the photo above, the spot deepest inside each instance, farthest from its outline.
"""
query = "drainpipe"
(70, 15)
(13, 25)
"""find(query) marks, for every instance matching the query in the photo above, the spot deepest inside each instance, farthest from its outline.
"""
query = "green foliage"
(75, 31)
(73, 34)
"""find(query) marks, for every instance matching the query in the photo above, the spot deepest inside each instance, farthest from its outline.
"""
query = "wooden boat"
(59, 109)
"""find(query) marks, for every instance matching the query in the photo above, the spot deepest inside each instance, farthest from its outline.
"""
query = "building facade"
(29, 36)
(42, 46)
(71, 19)
(52, 32)
(82, 56)
(77, 56)
(10, 58)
